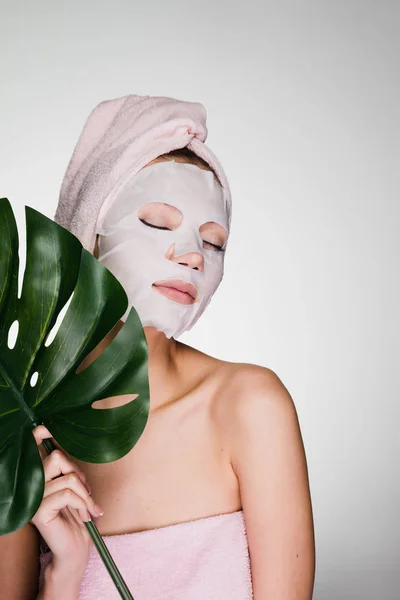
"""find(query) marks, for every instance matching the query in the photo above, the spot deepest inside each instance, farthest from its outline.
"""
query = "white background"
(302, 101)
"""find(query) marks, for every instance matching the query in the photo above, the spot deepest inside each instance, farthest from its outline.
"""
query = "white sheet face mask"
(136, 253)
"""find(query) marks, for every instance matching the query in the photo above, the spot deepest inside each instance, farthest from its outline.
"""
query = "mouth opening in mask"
(177, 290)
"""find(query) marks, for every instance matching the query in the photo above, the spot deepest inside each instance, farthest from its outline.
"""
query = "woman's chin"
(152, 332)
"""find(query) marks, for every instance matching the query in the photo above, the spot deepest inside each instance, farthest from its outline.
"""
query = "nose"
(194, 260)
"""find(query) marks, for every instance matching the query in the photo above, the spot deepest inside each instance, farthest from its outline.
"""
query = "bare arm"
(269, 460)
(19, 564)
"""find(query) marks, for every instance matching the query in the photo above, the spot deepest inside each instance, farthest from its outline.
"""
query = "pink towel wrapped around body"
(204, 559)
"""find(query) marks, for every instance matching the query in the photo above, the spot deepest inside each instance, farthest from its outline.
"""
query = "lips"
(177, 290)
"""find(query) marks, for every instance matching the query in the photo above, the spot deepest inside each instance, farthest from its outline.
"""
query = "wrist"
(61, 581)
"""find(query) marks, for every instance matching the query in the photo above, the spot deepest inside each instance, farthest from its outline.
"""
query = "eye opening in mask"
(214, 236)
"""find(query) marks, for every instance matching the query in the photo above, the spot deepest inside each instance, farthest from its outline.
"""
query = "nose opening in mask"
(186, 257)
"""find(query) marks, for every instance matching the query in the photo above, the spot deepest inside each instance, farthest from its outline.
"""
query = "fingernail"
(98, 510)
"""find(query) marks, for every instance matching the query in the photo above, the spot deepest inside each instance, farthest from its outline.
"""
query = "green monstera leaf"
(57, 266)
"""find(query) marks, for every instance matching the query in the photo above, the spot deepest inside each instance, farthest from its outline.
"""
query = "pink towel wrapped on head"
(205, 559)
(120, 137)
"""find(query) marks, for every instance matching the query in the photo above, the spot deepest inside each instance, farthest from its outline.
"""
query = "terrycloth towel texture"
(205, 559)
(120, 137)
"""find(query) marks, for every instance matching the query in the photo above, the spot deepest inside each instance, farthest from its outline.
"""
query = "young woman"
(213, 501)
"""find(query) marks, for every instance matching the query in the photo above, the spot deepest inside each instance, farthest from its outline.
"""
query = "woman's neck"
(164, 367)
(164, 360)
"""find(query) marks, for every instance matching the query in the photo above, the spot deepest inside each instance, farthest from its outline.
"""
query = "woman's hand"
(65, 506)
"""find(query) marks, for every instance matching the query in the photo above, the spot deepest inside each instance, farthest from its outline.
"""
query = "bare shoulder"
(255, 377)
(248, 391)
(243, 394)
(252, 401)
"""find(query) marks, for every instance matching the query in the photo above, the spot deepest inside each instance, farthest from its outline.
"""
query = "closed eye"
(214, 246)
(154, 226)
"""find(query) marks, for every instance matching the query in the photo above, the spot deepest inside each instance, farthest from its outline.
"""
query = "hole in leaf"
(99, 349)
(12, 335)
(34, 378)
(53, 331)
(114, 401)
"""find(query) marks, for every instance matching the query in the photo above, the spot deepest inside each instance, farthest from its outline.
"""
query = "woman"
(220, 465)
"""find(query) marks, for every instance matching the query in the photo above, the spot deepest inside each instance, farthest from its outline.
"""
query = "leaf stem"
(101, 547)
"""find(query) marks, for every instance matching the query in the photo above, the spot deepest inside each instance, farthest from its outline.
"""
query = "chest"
(178, 470)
